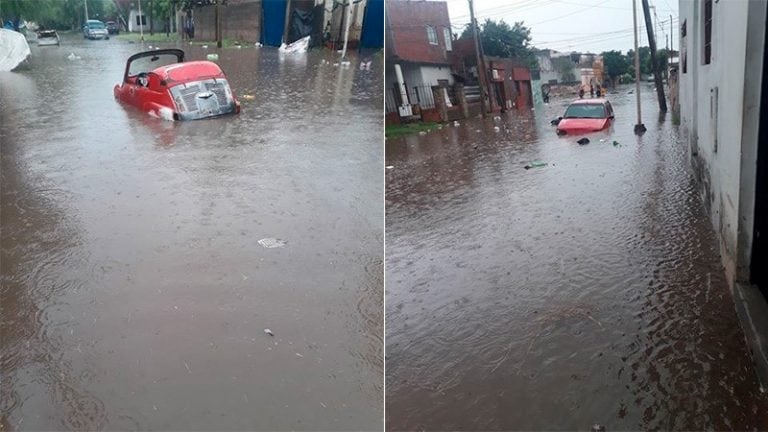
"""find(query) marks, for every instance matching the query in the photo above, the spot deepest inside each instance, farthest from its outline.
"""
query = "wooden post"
(639, 126)
(218, 23)
(480, 68)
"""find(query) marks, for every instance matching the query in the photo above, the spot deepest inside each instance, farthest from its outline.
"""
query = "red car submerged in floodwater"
(586, 115)
(160, 83)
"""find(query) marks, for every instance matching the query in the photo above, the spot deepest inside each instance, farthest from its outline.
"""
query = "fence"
(421, 95)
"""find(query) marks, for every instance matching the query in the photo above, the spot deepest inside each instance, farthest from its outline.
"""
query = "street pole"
(287, 21)
(671, 36)
(639, 127)
(218, 24)
(654, 60)
(141, 23)
(85, 2)
(346, 32)
(480, 71)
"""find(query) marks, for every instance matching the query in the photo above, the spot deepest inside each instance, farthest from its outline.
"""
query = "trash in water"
(390, 166)
(496, 118)
(299, 46)
(247, 97)
(269, 332)
(345, 63)
(72, 56)
(616, 144)
(365, 65)
(583, 141)
(258, 45)
(271, 243)
(422, 133)
(602, 140)
(455, 123)
(535, 164)
(496, 129)
(212, 56)
(205, 46)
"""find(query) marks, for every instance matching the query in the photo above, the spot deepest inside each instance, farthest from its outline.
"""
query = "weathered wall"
(717, 122)
(241, 21)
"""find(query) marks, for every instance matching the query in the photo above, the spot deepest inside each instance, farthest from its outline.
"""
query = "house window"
(141, 20)
(431, 35)
(707, 31)
(447, 37)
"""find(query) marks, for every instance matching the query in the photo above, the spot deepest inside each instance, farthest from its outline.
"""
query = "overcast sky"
(573, 25)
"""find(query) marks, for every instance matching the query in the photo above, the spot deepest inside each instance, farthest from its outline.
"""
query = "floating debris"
(535, 164)
(390, 166)
(616, 144)
(583, 141)
(258, 45)
(271, 243)
(212, 57)
(455, 123)
(496, 129)
(205, 46)
(72, 56)
(247, 97)
(269, 332)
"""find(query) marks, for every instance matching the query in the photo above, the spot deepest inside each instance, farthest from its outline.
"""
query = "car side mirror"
(610, 116)
(560, 118)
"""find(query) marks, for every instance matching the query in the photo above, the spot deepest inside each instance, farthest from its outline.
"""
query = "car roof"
(94, 21)
(599, 101)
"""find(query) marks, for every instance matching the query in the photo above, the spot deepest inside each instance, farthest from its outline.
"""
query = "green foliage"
(615, 64)
(499, 39)
(564, 66)
(58, 14)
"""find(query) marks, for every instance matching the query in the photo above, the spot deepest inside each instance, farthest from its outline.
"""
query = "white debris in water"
(496, 129)
(299, 355)
(496, 118)
(258, 45)
(345, 63)
(299, 46)
(72, 56)
(271, 243)
(422, 133)
(269, 332)
(390, 166)
(165, 113)
(455, 123)
(205, 46)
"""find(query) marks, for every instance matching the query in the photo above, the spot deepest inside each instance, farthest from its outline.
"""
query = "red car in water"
(586, 115)
(160, 83)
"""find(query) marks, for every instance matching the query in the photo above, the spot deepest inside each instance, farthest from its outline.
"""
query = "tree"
(564, 66)
(615, 64)
(501, 40)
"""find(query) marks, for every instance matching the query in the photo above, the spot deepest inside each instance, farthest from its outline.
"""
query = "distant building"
(724, 121)
(419, 41)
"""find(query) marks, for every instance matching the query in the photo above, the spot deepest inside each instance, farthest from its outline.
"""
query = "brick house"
(509, 78)
(419, 42)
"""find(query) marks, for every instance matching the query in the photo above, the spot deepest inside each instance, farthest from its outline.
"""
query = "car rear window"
(95, 25)
(150, 63)
(585, 111)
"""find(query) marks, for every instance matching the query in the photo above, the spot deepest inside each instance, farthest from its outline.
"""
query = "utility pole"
(671, 36)
(141, 21)
(287, 21)
(654, 60)
(218, 23)
(346, 32)
(639, 127)
(85, 2)
(480, 68)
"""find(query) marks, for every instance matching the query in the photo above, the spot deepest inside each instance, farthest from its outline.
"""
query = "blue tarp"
(373, 25)
(273, 22)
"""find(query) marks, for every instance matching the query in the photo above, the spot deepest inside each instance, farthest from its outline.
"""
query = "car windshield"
(95, 25)
(150, 63)
(585, 111)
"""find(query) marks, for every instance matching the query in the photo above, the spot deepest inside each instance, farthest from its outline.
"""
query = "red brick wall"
(407, 22)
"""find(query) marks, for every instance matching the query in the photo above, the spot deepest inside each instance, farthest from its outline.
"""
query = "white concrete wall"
(430, 75)
(132, 23)
(712, 109)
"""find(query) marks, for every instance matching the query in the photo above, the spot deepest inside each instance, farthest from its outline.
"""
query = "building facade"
(724, 122)
(419, 42)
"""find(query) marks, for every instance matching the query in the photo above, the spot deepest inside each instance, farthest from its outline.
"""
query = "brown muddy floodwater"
(587, 291)
(135, 293)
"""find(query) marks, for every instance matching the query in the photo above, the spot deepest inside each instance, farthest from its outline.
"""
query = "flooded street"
(586, 291)
(135, 292)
